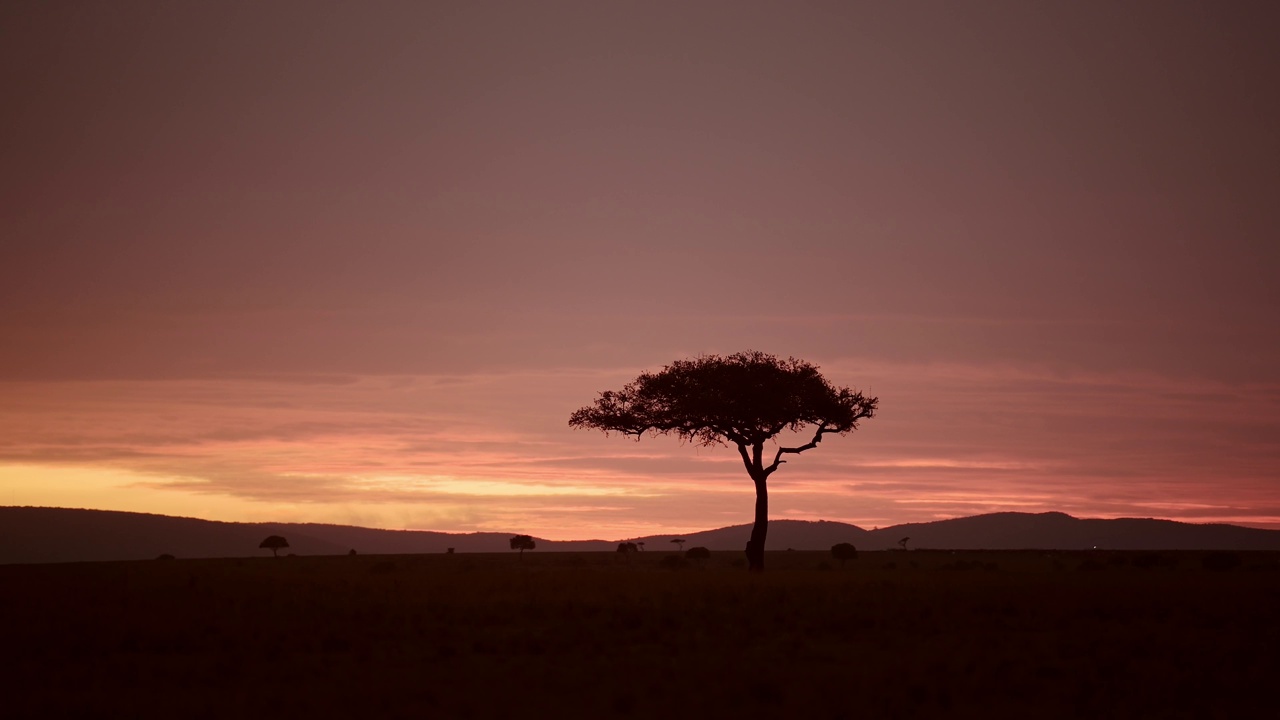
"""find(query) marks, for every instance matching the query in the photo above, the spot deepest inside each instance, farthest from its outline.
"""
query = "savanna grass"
(893, 634)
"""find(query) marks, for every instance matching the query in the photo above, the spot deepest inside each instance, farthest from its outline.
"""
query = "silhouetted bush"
(166, 556)
(697, 553)
(627, 548)
(844, 552)
(1221, 561)
(352, 551)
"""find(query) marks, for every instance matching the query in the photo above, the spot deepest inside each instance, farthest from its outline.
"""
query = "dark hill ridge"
(33, 535)
(997, 531)
(783, 534)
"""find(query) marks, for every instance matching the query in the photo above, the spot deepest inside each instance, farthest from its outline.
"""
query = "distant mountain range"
(35, 535)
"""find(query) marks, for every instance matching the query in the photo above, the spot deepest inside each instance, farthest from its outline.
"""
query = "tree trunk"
(755, 546)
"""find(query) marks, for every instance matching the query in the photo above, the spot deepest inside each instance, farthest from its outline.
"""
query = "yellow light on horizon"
(100, 488)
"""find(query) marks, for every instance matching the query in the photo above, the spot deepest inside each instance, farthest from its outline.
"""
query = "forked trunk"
(755, 546)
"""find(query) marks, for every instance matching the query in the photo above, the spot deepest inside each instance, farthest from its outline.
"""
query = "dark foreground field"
(915, 634)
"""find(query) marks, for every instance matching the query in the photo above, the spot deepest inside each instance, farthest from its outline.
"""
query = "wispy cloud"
(951, 440)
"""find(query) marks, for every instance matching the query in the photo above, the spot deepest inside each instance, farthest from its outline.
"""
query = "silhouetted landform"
(37, 535)
(1002, 531)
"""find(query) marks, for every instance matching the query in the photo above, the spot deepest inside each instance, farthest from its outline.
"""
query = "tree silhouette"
(640, 545)
(699, 554)
(274, 543)
(679, 542)
(844, 552)
(522, 543)
(743, 400)
(903, 542)
(626, 548)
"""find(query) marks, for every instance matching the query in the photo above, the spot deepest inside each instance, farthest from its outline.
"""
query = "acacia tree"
(522, 543)
(743, 400)
(274, 543)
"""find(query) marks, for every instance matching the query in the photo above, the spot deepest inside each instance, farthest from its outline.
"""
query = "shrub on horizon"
(844, 552)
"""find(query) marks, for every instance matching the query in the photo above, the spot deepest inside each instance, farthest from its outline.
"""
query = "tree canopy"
(522, 543)
(844, 552)
(274, 543)
(744, 400)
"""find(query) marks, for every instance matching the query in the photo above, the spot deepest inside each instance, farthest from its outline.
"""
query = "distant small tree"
(903, 543)
(522, 543)
(275, 544)
(352, 551)
(640, 545)
(166, 556)
(448, 551)
(844, 552)
(679, 543)
(699, 554)
(626, 548)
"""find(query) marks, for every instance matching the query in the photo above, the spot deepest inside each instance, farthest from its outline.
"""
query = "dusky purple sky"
(357, 262)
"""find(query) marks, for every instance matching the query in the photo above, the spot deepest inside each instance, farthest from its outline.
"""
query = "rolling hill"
(996, 531)
(36, 535)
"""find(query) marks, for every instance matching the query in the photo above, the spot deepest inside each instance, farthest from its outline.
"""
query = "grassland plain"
(891, 635)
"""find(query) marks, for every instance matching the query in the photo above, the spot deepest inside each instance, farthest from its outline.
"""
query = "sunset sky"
(358, 262)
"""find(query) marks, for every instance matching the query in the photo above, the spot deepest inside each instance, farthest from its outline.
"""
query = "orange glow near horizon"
(493, 453)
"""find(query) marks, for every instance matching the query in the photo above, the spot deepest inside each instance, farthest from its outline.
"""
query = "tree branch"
(777, 459)
(746, 459)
